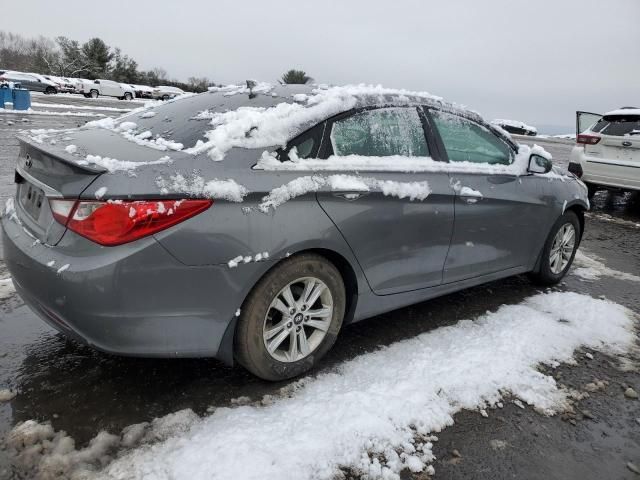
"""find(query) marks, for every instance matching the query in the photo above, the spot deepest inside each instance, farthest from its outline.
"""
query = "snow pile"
(71, 149)
(196, 186)
(6, 395)
(114, 165)
(590, 268)
(128, 130)
(257, 127)
(146, 139)
(513, 123)
(230, 90)
(6, 288)
(303, 185)
(383, 409)
(385, 405)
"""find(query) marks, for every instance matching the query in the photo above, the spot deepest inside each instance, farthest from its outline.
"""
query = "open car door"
(584, 120)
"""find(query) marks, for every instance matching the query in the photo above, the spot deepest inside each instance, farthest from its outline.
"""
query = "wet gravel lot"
(82, 391)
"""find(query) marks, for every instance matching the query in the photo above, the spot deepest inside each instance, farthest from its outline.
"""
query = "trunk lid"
(620, 137)
(41, 175)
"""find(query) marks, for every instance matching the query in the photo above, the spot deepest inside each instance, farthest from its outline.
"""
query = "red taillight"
(116, 222)
(587, 139)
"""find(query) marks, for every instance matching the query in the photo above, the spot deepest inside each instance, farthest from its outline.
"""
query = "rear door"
(498, 217)
(398, 222)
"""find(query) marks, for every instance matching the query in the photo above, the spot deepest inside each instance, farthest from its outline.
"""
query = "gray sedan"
(252, 224)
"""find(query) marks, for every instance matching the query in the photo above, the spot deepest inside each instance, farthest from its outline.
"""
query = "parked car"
(107, 88)
(607, 151)
(64, 85)
(515, 126)
(30, 81)
(362, 202)
(143, 91)
(164, 92)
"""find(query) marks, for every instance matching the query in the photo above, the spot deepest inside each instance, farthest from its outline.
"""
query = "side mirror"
(539, 164)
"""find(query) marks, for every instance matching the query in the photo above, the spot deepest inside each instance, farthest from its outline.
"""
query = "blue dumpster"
(21, 99)
(6, 95)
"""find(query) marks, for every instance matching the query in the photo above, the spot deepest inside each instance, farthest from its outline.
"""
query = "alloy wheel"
(562, 248)
(298, 319)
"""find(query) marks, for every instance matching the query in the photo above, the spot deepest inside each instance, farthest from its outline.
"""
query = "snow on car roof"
(294, 109)
(513, 123)
(623, 111)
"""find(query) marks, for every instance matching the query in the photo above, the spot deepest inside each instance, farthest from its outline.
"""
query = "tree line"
(92, 59)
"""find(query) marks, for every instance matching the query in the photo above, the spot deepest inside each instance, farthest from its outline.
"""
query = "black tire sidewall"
(249, 345)
(545, 274)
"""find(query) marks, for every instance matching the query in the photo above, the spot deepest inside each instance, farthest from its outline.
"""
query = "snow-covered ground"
(376, 414)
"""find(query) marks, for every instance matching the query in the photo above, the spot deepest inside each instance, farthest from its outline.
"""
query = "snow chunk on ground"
(384, 406)
(71, 149)
(6, 395)
(590, 268)
(197, 186)
(149, 114)
(6, 288)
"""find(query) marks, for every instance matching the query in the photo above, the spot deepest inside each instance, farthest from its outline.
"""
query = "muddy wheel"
(291, 319)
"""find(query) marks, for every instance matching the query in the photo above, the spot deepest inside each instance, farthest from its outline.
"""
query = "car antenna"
(250, 85)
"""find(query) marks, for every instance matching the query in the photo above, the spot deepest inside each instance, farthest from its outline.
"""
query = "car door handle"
(350, 196)
(470, 199)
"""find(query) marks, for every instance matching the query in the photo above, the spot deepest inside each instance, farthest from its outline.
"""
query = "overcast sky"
(536, 61)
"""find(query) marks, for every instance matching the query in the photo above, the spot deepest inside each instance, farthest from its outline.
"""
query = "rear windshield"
(186, 120)
(618, 125)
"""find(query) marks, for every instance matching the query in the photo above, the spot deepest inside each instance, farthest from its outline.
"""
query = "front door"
(495, 212)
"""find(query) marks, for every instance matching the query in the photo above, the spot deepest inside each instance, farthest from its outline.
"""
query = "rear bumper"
(606, 172)
(137, 300)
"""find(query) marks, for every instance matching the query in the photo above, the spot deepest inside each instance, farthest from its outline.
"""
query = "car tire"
(165, 97)
(127, 96)
(94, 94)
(260, 319)
(50, 90)
(550, 272)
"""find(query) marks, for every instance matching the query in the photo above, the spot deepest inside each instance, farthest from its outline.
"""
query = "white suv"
(107, 88)
(607, 151)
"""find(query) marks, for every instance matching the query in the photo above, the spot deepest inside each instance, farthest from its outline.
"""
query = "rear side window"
(467, 141)
(380, 133)
(618, 126)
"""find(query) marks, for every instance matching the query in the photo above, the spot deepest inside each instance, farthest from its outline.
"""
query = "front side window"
(467, 141)
(380, 133)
